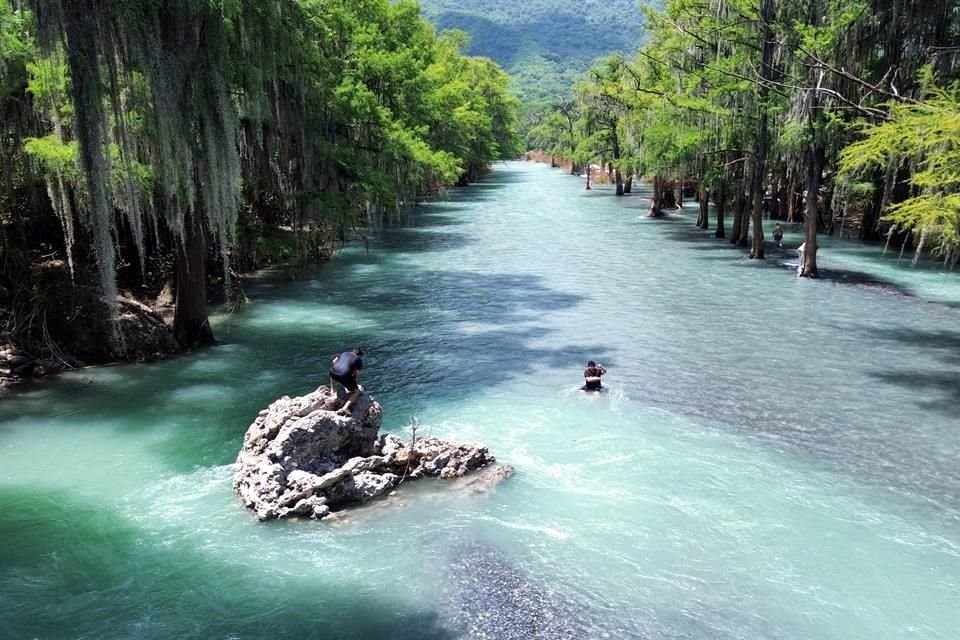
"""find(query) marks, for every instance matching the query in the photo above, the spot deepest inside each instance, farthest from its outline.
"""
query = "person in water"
(778, 235)
(592, 375)
(346, 370)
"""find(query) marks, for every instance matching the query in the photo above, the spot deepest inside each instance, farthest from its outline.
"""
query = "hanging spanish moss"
(60, 200)
(182, 113)
(180, 48)
(77, 23)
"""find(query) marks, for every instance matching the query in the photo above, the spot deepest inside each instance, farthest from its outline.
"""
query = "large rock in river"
(301, 458)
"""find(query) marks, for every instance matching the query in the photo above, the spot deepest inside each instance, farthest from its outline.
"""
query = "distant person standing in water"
(346, 370)
(778, 235)
(592, 376)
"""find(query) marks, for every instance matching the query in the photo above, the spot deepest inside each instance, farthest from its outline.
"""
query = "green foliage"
(924, 136)
(750, 95)
(15, 41)
(16, 51)
(174, 115)
(50, 83)
(54, 153)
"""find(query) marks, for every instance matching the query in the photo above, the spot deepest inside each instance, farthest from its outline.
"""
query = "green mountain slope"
(545, 44)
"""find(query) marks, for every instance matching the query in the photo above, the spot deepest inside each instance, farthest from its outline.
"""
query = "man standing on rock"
(346, 370)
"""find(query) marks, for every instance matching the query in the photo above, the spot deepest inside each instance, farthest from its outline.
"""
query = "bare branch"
(843, 73)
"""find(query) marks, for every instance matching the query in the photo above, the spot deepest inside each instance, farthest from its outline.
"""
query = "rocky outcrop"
(301, 458)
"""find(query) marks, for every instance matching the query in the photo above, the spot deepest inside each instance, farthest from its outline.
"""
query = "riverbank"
(141, 333)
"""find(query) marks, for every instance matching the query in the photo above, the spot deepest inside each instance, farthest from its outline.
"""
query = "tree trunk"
(615, 165)
(738, 207)
(811, 215)
(191, 324)
(756, 215)
(760, 158)
(721, 208)
(703, 221)
(628, 185)
(791, 203)
(655, 199)
(589, 169)
(783, 200)
(745, 221)
(783, 194)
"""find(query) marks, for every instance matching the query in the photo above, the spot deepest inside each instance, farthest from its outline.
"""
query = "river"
(775, 457)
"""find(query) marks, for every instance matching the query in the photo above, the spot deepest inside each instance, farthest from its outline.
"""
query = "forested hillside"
(545, 44)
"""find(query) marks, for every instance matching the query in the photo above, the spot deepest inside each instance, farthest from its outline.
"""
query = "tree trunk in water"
(655, 200)
(792, 204)
(756, 214)
(721, 208)
(811, 215)
(589, 169)
(738, 206)
(703, 221)
(628, 185)
(826, 205)
(615, 165)
(191, 324)
(679, 200)
(760, 159)
(783, 196)
(744, 222)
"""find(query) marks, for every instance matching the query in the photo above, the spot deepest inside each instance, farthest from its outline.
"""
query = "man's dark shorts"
(349, 382)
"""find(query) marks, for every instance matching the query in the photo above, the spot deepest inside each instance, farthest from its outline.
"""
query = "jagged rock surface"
(301, 458)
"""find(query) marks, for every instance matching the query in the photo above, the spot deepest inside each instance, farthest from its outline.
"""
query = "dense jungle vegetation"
(836, 115)
(156, 148)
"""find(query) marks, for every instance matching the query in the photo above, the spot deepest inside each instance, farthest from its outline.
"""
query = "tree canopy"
(846, 112)
(193, 129)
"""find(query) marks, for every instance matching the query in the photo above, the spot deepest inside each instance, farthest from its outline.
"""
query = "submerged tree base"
(137, 334)
(54, 321)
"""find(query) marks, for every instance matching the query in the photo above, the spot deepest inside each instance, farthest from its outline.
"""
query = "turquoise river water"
(776, 458)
